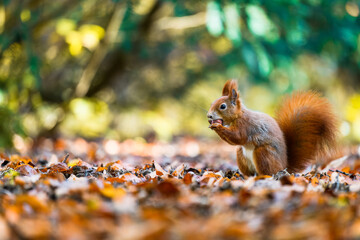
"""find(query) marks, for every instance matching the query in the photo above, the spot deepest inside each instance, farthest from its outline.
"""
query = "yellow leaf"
(111, 192)
(73, 162)
(25, 15)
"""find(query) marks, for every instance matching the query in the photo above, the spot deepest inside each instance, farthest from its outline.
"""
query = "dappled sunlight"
(353, 115)
(101, 71)
(352, 9)
(89, 117)
(87, 35)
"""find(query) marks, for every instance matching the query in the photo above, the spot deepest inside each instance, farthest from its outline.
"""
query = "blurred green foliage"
(148, 67)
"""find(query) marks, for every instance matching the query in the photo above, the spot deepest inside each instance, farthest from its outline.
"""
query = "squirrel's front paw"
(215, 126)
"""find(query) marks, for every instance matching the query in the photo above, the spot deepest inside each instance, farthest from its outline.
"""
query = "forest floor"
(189, 189)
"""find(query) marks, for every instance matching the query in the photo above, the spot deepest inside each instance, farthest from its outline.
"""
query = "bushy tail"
(310, 128)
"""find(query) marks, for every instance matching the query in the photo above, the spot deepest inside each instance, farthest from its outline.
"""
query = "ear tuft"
(229, 86)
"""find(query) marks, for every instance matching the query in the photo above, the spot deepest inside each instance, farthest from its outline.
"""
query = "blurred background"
(149, 69)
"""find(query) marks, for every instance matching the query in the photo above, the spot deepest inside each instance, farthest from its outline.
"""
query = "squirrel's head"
(227, 108)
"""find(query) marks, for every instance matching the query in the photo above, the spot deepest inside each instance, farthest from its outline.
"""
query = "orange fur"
(309, 126)
(305, 128)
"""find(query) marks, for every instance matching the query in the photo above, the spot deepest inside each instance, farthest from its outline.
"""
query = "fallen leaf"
(111, 192)
(168, 189)
(26, 170)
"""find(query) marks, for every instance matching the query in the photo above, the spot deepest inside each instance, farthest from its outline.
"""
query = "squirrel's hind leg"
(267, 161)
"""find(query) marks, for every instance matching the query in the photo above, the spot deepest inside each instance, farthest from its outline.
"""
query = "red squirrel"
(304, 128)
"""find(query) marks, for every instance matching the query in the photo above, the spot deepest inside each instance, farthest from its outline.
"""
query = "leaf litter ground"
(189, 189)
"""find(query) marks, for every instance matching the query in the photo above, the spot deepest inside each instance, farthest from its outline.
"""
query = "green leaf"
(214, 22)
(259, 23)
(232, 18)
(265, 65)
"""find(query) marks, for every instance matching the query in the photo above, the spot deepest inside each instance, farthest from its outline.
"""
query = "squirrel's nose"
(209, 116)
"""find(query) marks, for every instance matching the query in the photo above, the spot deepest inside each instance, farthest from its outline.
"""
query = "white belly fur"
(248, 152)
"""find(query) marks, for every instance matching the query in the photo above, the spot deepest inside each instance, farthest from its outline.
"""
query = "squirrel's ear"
(228, 87)
(234, 96)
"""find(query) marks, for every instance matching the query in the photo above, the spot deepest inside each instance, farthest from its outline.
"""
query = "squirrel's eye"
(223, 106)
